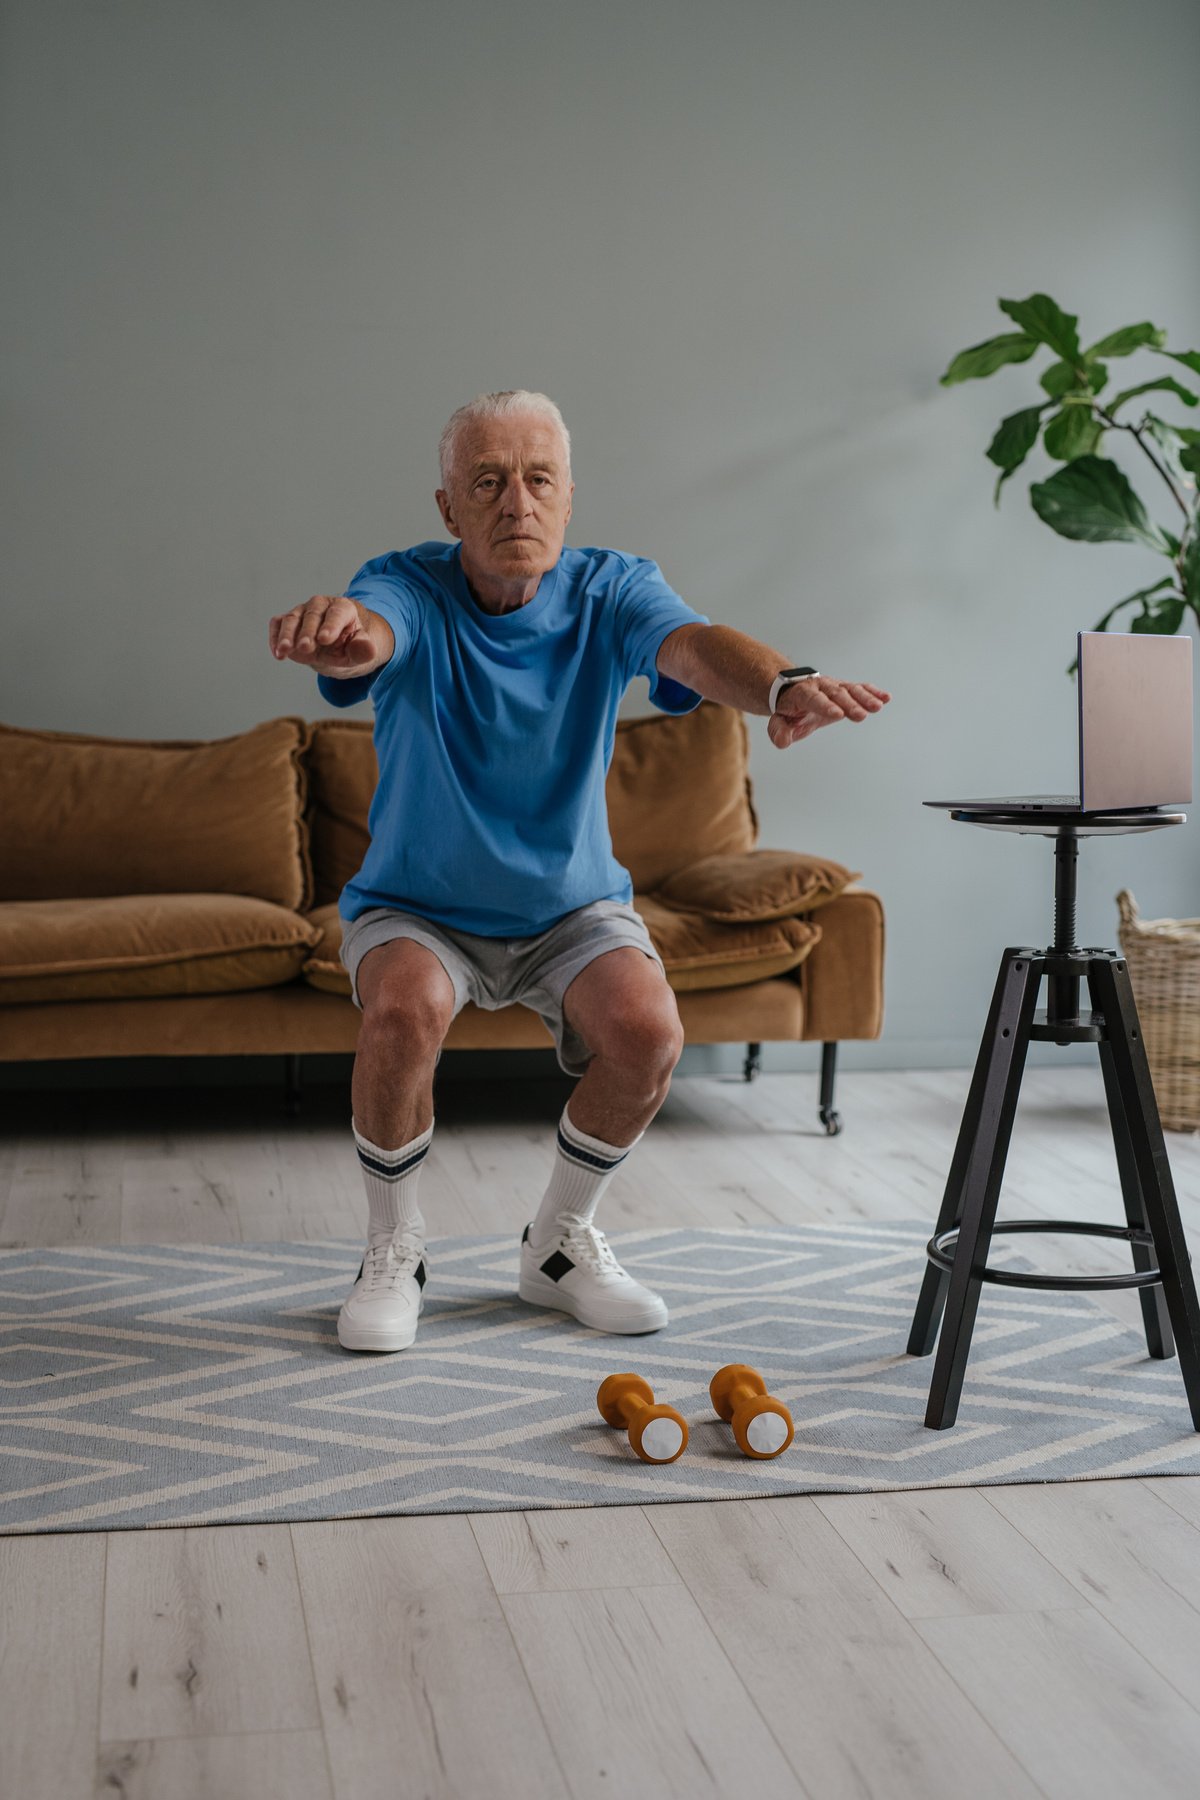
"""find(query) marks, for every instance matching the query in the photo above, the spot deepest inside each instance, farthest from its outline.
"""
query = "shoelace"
(584, 1244)
(384, 1265)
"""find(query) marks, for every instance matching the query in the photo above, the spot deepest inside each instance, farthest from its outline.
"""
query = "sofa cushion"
(696, 952)
(91, 816)
(342, 773)
(328, 921)
(679, 789)
(758, 884)
(323, 967)
(147, 944)
(699, 953)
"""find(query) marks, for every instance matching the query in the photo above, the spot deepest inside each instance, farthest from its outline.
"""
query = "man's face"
(510, 498)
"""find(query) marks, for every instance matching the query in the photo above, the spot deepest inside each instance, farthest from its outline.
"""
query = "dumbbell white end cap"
(661, 1440)
(767, 1433)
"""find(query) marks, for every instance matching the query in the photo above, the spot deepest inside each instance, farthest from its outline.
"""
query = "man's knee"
(406, 994)
(646, 1036)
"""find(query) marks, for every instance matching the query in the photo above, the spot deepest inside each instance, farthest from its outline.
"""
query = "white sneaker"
(577, 1273)
(380, 1311)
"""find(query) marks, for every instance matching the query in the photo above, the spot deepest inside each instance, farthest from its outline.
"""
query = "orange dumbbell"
(762, 1425)
(658, 1434)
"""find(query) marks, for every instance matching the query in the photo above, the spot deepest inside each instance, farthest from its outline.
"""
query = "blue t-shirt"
(494, 733)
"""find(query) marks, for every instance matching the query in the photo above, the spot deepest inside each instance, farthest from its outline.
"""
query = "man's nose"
(518, 499)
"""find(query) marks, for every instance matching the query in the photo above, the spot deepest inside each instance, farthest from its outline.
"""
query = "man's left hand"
(804, 706)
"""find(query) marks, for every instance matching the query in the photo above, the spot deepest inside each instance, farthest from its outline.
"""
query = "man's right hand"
(332, 635)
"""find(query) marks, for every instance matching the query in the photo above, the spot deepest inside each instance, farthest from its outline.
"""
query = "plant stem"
(1116, 425)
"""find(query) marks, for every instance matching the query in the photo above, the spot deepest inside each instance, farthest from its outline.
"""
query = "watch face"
(806, 670)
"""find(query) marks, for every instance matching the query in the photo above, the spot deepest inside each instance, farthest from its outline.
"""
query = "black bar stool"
(958, 1250)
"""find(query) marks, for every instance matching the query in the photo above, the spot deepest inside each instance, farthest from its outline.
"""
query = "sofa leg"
(753, 1062)
(829, 1119)
(291, 1085)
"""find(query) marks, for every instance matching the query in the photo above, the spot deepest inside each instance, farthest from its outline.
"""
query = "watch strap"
(785, 678)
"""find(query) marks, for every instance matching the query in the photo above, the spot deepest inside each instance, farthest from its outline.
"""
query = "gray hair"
(504, 405)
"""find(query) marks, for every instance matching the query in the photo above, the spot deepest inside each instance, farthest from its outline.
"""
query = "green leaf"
(1012, 443)
(1090, 500)
(1015, 439)
(1059, 379)
(1189, 459)
(1129, 600)
(1142, 594)
(1166, 383)
(1045, 320)
(1190, 567)
(1189, 358)
(984, 359)
(1063, 378)
(1170, 443)
(1164, 617)
(1129, 338)
(1073, 432)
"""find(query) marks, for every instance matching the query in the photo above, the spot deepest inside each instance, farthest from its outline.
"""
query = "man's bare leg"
(624, 1010)
(408, 1002)
(408, 1005)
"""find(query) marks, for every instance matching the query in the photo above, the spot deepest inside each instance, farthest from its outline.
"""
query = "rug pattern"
(191, 1384)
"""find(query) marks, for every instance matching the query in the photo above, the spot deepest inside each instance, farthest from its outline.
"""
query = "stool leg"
(1155, 1317)
(985, 1173)
(1109, 983)
(932, 1298)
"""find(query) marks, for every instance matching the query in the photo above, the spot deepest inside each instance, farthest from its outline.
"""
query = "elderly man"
(496, 664)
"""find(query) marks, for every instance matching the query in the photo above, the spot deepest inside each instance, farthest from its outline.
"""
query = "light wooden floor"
(959, 1643)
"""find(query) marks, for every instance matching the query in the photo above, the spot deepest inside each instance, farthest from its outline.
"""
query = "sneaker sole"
(362, 1337)
(538, 1292)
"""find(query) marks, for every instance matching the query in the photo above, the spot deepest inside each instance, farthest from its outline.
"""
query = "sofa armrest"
(842, 979)
(751, 885)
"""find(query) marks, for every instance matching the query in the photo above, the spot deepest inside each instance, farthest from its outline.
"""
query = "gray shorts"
(495, 972)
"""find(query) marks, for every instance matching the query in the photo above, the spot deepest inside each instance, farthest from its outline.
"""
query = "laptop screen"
(1135, 720)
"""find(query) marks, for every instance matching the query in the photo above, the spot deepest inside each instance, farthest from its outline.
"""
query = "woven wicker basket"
(1164, 972)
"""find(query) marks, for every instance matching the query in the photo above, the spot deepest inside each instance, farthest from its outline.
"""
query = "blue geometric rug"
(189, 1384)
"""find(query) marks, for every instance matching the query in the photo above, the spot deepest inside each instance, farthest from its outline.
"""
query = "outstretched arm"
(726, 665)
(332, 635)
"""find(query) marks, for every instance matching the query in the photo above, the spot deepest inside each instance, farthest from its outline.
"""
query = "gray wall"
(259, 249)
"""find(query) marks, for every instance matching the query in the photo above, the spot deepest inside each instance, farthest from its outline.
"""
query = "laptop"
(1135, 730)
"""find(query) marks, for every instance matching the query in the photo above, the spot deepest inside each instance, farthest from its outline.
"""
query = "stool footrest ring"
(940, 1251)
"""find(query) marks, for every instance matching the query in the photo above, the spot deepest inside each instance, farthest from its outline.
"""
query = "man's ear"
(570, 492)
(447, 512)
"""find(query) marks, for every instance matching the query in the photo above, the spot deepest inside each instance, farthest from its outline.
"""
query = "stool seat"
(956, 1256)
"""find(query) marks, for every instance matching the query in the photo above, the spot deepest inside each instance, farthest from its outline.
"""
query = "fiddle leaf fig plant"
(1089, 498)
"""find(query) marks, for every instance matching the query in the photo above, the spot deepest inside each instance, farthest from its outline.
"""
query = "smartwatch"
(784, 679)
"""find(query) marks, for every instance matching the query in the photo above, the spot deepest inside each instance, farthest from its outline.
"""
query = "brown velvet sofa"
(179, 898)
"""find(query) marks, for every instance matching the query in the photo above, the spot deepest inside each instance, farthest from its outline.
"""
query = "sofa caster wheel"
(753, 1062)
(829, 1119)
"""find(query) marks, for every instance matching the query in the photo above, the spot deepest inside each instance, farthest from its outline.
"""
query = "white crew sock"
(391, 1178)
(583, 1167)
